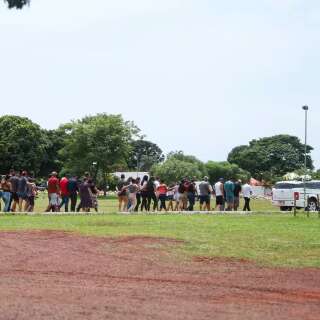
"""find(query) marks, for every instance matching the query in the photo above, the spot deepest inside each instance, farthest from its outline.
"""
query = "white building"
(134, 175)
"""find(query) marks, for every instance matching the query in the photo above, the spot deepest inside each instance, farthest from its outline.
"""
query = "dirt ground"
(56, 275)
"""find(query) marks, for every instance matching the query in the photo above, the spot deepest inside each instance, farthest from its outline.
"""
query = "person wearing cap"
(219, 190)
(205, 194)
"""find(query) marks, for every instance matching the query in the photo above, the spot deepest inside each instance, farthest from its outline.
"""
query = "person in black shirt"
(192, 191)
(151, 194)
(237, 190)
(14, 181)
(73, 188)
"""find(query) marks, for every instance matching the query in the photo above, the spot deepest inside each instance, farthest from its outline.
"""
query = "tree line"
(104, 143)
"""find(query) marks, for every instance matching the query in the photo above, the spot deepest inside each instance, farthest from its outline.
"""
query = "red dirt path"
(56, 275)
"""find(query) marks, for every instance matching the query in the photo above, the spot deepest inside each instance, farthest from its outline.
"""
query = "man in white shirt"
(219, 190)
(247, 194)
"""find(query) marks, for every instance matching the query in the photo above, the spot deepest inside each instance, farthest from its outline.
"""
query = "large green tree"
(52, 160)
(226, 170)
(173, 170)
(144, 155)
(18, 4)
(271, 157)
(179, 155)
(22, 143)
(97, 143)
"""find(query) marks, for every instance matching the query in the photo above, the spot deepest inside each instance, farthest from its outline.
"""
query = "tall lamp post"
(305, 108)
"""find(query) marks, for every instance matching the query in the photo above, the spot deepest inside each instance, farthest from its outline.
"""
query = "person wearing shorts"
(183, 192)
(205, 194)
(170, 197)
(122, 194)
(6, 194)
(53, 193)
(219, 191)
(176, 196)
(32, 192)
(133, 189)
(229, 190)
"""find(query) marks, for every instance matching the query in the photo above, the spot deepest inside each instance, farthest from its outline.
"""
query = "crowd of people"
(153, 194)
(18, 192)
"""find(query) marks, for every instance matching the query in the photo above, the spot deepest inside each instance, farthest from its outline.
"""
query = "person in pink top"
(64, 193)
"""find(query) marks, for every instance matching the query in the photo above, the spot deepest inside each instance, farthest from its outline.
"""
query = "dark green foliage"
(271, 157)
(22, 143)
(17, 4)
(226, 170)
(103, 140)
(52, 161)
(179, 155)
(173, 170)
(144, 155)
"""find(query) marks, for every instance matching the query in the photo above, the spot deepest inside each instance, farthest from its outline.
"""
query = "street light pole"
(305, 108)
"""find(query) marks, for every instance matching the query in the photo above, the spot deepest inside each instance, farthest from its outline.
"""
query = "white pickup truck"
(284, 194)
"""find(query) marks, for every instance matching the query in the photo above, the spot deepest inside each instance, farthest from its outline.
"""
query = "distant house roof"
(256, 183)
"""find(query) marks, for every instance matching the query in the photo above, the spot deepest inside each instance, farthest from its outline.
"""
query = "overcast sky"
(202, 76)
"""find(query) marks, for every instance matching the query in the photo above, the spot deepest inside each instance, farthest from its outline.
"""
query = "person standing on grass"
(73, 188)
(94, 194)
(183, 194)
(122, 194)
(6, 193)
(85, 196)
(22, 191)
(162, 193)
(151, 192)
(138, 183)
(176, 196)
(205, 194)
(14, 181)
(144, 193)
(64, 193)
(247, 194)
(170, 197)
(132, 190)
(237, 190)
(53, 193)
(192, 193)
(157, 184)
(219, 191)
(229, 192)
(32, 192)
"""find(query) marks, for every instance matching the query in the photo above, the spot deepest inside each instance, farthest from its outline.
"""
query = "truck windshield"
(287, 186)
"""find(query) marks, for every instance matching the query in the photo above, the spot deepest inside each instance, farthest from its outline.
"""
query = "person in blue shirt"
(229, 190)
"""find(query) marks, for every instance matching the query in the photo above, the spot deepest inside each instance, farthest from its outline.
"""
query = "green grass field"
(269, 239)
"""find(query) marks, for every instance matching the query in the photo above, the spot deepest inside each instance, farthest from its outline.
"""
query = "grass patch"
(271, 239)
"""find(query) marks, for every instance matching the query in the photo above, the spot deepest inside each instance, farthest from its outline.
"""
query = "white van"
(284, 194)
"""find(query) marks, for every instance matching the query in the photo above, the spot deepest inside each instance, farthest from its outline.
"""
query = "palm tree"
(18, 4)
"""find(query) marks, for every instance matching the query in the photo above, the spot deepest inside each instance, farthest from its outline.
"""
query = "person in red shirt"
(162, 192)
(64, 193)
(53, 193)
